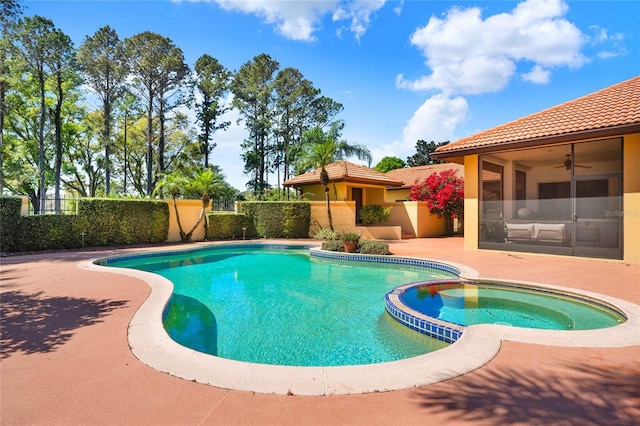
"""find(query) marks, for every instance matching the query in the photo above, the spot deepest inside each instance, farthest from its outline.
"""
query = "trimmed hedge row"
(277, 219)
(10, 223)
(104, 222)
(227, 226)
(110, 222)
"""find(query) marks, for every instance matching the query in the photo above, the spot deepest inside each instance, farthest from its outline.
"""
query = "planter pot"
(350, 246)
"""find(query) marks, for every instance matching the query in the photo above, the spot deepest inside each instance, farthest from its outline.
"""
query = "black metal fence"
(66, 206)
(223, 205)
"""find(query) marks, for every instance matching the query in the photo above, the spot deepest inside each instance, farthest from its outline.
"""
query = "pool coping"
(151, 344)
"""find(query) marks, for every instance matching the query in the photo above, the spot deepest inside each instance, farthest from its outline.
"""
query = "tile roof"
(344, 171)
(409, 175)
(611, 111)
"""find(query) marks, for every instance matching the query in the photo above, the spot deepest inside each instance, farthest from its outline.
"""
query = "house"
(353, 186)
(562, 181)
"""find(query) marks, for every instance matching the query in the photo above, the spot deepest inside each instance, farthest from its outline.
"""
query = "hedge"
(277, 219)
(227, 226)
(109, 222)
(104, 222)
(10, 223)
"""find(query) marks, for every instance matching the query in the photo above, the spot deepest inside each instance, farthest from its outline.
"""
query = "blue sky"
(404, 70)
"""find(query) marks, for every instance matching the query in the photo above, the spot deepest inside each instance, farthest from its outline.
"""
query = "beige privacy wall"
(412, 216)
(189, 213)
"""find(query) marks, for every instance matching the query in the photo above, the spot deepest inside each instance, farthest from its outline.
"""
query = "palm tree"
(175, 184)
(205, 182)
(322, 149)
(208, 183)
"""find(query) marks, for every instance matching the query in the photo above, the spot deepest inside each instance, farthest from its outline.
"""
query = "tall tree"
(323, 148)
(103, 62)
(85, 174)
(294, 97)
(128, 111)
(36, 46)
(173, 74)
(253, 97)
(10, 12)
(422, 156)
(211, 84)
(389, 163)
(20, 164)
(158, 70)
(64, 80)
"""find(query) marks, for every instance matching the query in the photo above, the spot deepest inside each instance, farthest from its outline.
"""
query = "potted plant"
(350, 241)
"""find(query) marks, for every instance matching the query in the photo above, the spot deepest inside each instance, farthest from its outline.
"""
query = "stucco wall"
(631, 198)
(471, 202)
(189, 212)
(414, 218)
(337, 191)
(343, 214)
(394, 195)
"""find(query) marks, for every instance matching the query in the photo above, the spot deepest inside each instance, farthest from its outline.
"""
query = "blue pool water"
(467, 304)
(283, 307)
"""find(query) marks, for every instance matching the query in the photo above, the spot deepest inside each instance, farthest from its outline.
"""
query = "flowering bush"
(444, 194)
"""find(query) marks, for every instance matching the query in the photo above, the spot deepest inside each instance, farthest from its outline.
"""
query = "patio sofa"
(537, 232)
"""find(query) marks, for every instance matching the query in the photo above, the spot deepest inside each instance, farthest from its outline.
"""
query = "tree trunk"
(107, 147)
(58, 159)
(326, 196)
(42, 189)
(182, 234)
(150, 147)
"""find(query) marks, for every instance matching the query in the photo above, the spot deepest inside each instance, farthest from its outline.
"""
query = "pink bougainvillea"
(443, 192)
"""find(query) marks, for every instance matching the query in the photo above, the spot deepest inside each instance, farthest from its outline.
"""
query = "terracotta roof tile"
(344, 171)
(614, 106)
(409, 175)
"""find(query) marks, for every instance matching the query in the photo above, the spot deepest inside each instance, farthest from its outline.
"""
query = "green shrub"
(47, 232)
(227, 226)
(10, 223)
(114, 222)
(373, 247)
(350, 236)
(277, 219)
(333, 245)
(374, 214)
(326, 234)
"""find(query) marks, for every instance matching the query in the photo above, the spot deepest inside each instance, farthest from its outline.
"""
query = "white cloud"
(436, 119)
(299, 20)
(471, 55)
(359, 12)
(613, 43)
(296, 20)
(537, 75)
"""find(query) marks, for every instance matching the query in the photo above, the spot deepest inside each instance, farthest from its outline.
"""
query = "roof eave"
(348, 180)
(540, 141)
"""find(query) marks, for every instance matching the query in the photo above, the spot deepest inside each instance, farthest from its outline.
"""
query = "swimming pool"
(278, 305)
(465, 303)
(150, 343)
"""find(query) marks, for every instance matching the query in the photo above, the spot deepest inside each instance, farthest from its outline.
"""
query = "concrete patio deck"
(65, 358)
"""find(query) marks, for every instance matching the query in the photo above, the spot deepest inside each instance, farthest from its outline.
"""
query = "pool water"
(467, 304)
(276, 306)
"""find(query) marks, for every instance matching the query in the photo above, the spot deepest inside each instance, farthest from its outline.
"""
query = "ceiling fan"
(567, 164)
